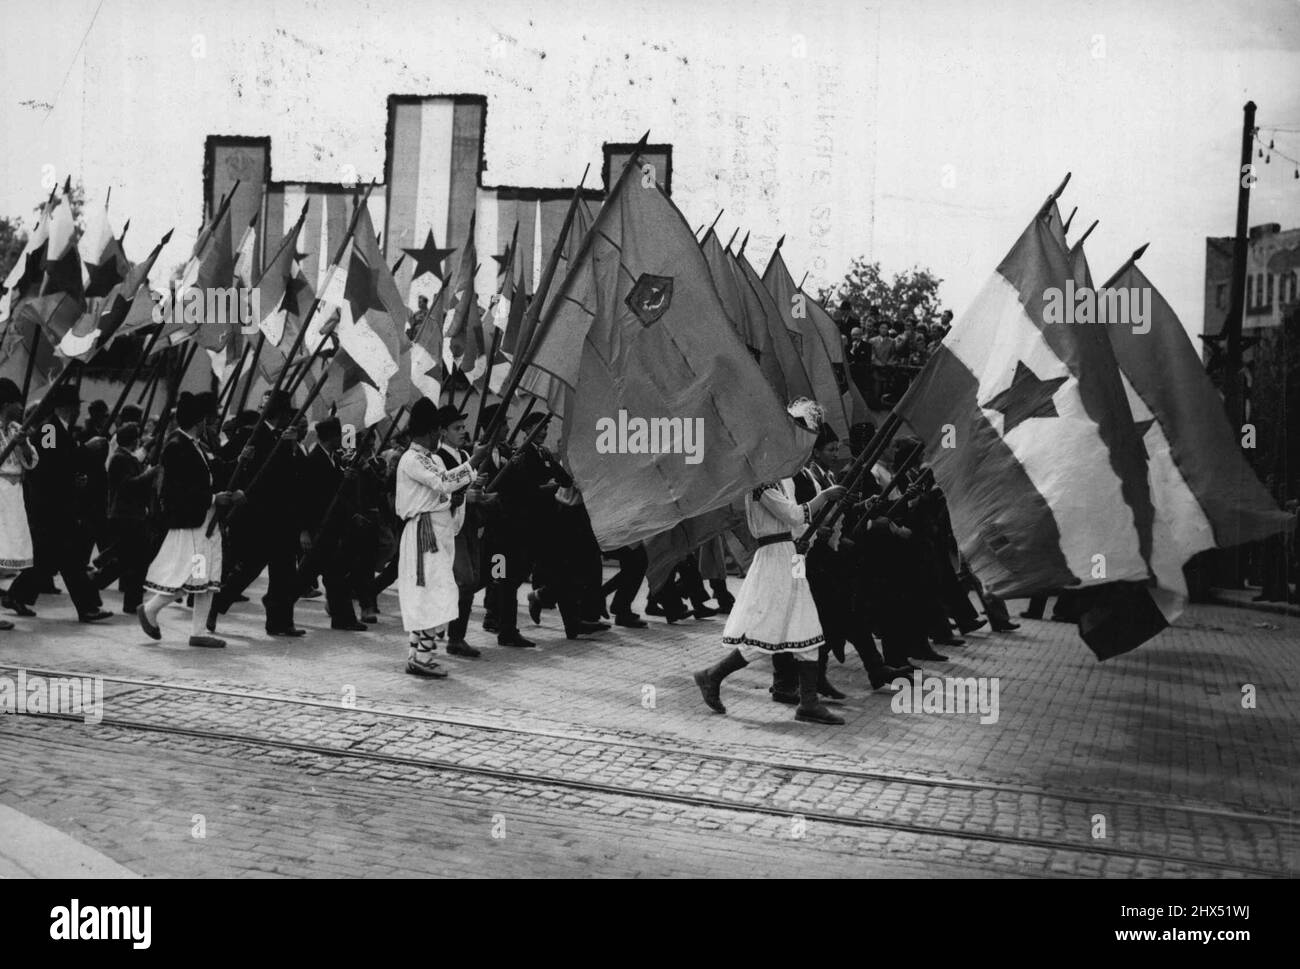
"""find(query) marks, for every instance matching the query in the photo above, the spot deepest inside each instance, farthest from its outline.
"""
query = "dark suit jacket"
(51, 485)
(128, 488)
(187, 486)
(321, 478)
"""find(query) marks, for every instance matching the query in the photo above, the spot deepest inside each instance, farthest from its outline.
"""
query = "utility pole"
(1233, 400)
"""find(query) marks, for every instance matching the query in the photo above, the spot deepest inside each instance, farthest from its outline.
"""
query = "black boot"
(710, 681)
(785, 679)
(810, 708)
(824, 687)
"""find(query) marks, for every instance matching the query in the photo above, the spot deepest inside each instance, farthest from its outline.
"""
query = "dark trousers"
(131, 546)
(56, 548)
(456, 628)
(632, 565)
(263, 545)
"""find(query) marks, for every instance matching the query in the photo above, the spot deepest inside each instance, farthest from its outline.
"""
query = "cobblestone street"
(596, 757)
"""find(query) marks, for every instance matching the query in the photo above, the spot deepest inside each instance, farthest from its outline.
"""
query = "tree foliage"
(912, 294)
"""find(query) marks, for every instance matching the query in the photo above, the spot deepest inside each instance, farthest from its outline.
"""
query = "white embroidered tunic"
(774, 610)
(426, 584)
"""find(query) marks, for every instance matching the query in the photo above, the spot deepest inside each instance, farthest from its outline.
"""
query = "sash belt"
(775, 539)
(425, 541)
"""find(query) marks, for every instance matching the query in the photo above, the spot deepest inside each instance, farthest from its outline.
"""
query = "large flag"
(25, 276)
(101, 251)
(125, 309)
(785, 343)
(1029, 432)
(821, 349)
(284, 296)
(748, 323)
(460, 311)
(668, 415)
(371, 318)
(1204, 493)
(210, 268)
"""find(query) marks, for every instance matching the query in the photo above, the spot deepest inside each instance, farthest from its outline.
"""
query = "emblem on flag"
(841, 378)
(650, 297)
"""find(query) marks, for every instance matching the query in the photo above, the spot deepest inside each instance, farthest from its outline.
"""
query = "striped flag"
(1030, 434)
(371, 319)
(127, 308)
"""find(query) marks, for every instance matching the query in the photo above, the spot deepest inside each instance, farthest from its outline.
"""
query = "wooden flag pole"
(1085, 235)
(229, 392)
(135, 373)
(297, 344)
(392, 426)
(252, 373)
(31, 361)
(533, 323)
(1065, 227)
(734, 233)
(533, 435)
(528, 409)
(1137, 254)
(38, 412)
(861, 465)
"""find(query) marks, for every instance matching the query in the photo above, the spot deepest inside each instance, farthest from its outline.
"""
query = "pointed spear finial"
(779, 241)
(125, 226)
(1084, 236)
(108, 195)
(714, 223)
(1066, 226)
(167, 237)
(1055, 195)
(734, 232)
(744, 242)
(1137, 253)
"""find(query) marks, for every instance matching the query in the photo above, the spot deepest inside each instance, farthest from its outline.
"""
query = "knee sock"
(198, 622)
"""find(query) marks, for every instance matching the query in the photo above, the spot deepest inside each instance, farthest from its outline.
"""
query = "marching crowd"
(197, 515)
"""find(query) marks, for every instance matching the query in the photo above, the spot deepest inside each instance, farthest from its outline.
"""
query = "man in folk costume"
(189, 561)
(426, 581)
(465, 510)
(775, 614)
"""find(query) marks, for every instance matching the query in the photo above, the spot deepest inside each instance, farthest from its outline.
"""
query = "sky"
(922, 133)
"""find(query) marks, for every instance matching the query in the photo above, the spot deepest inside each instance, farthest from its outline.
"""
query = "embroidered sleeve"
(782, 506)
(428, 472)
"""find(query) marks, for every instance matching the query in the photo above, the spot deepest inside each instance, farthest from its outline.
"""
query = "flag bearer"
(774, 613)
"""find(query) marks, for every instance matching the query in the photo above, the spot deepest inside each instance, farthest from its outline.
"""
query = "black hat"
(826, 436)
(330, 429)
(98, 407)
(189, 410)
(424, 417)
(449, 414)
(278, 403)
(65, 395)
(9, 392)
(130, 414)
(532, 420)
(488, 415)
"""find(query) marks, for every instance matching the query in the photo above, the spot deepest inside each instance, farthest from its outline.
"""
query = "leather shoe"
(18, 608)
(631, 620)
(653, 608)
(534, 608)
(508, 639)
(970, 627)
(369, 618)
(704, 612)
(462, 648)
(592, 627)
(289, 632)
(352, 627)
(825, 689)
(887, 674)
(95, 616)
(150, 629)
(207, 642)
(929, 654)
(490, 626)
(1006, 627)
(950, 641)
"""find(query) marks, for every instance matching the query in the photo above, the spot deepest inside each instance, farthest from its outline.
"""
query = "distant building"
(1272, 279)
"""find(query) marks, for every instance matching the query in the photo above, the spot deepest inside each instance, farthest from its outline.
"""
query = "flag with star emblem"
(460, 311)
(283, 298)
(1204, 493)
(371, 318)
(211, 266)
(127, 308)
(25, 276)
(1029, 432)
(629, 347)
(823, 352)
(101, 251)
